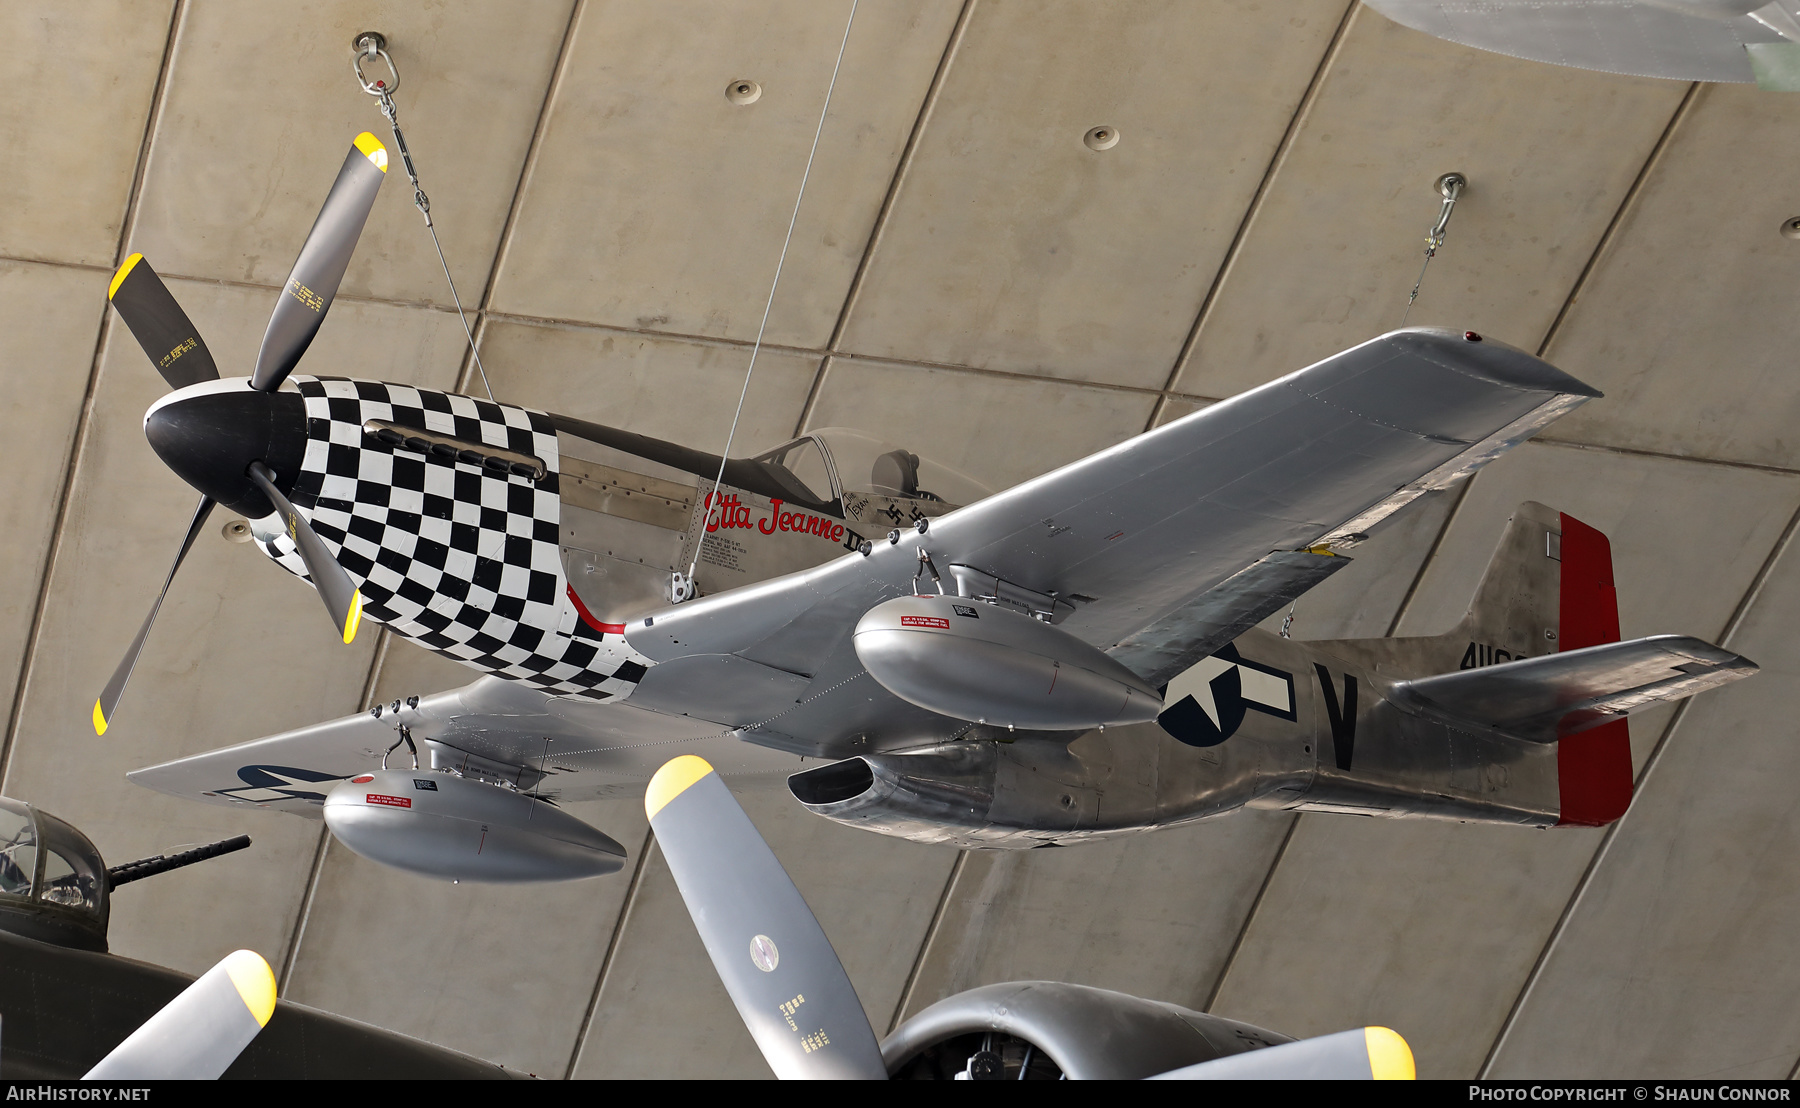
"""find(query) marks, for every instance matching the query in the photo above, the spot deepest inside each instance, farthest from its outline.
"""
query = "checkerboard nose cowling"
(210, 438)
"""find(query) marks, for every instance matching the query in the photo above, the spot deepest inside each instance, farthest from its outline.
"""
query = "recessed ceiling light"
(743, 92)
(1101, 138)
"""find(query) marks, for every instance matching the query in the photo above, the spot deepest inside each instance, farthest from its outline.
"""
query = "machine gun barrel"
(163, 863)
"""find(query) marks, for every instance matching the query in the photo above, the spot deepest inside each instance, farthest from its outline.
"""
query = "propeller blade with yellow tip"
(320, 267)
(201, 1032)
(115, 688)
(159, 325)
(334, 585)
(1367, 1053)
(771, 954)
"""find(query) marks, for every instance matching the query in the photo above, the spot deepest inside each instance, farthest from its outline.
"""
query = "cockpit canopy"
(53, 883)
(832, 462)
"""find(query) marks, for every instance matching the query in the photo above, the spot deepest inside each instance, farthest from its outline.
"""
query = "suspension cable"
(371, 45)
(685, 587)
(1449, 186)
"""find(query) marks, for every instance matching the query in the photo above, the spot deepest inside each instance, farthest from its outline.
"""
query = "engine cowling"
(440, 825)
(1048, 1029)
(977, 661)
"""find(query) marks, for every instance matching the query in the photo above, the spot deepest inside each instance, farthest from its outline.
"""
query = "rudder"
(1549, 588)
(1593, 769)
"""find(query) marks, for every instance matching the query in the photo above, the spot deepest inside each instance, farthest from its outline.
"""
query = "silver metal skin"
(1156, 553)
(792, 993)
(1548, 698)
(770, 953)
(1091, 1034)
(1464, 726)
(196, 1036)
(1687, 40)
(979, 661)
(1340, 1057)
(456, 829)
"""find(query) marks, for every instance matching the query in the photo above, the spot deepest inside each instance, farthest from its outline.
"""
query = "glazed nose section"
(210, 433)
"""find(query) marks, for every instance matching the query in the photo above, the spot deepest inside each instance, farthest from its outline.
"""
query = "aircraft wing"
(1161, 548)
(1547, 698)
(493, 729)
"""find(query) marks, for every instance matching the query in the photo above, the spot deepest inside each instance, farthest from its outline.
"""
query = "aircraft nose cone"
(210, 433)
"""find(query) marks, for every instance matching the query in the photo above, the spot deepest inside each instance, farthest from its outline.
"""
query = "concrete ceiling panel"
(998, 429)
(1686, 324)
(681, 198)
(241, 648)
(79, 79)
(1361, 600)
(1687, 540)
(1013, 245)
(373, 935)
(1339, 237)
(1428, 928)
(662, 1011)
(1678, 959)
(459, 964)
(1092, 913)
(53, 316)
(1435, 927)
(674, 389)
(261, 107)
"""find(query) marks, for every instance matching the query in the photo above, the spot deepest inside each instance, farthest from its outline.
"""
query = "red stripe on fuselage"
(587, 617)
(1593, 768)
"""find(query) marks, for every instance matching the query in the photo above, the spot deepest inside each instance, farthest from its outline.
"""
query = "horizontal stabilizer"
(1548, 698)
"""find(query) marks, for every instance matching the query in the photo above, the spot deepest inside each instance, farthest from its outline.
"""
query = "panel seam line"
(84, 421)
(1732, 624)
(612, 949)
(1289, 136)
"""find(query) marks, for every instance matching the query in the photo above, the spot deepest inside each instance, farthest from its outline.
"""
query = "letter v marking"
(1343, 723)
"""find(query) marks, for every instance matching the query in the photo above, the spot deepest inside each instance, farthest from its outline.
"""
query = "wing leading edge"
(1142, 532)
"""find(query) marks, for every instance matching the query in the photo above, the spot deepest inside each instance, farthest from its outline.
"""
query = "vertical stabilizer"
(1549, 588)
(1515, 612)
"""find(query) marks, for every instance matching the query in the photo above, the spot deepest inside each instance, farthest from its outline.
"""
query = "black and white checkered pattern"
(461, 560)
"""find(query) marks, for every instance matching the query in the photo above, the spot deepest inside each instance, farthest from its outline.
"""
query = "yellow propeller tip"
(354, 619)
(119, 277)
(255, 983)
(672, 780)
(373, 150)
(1390, 1059)
(99, 719)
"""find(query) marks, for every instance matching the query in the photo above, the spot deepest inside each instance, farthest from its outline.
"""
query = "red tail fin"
(1594, 767)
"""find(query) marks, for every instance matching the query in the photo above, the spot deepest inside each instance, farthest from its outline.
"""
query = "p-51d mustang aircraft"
(1082, 662)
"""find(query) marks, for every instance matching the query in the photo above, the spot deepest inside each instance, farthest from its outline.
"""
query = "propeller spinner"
(240, 442)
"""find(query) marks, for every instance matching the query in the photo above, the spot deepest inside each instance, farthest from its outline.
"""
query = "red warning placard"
(925, 621)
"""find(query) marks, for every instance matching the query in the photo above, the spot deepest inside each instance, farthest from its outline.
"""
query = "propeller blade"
(775, 961)
(340, 596)
(159, 325)
(201, 1032)
(320, 267)
(1367, 1053)
(115, 688)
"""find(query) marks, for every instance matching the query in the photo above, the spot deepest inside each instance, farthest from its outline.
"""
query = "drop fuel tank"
(976, 661)
(440, 825)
